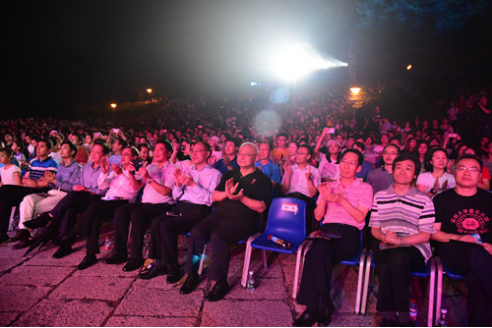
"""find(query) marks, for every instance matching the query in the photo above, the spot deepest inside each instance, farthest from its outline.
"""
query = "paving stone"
(81, 313)
(147, 321)
(230, 313)
(352, 320)
(7, 317)
(92, 288)
(160, 283)
(45, 257)
(20, 298)
(274, 269)
(101, 269)
(36, 276)
(8, 263)
(266, 289)
(156, 302)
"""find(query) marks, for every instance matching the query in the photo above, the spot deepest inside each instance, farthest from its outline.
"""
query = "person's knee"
(479, 256)
(218, 238)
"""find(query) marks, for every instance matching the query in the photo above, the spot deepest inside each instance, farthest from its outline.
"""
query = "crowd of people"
(191, 168)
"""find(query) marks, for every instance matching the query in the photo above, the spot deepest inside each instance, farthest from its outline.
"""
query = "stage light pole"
(113, 106)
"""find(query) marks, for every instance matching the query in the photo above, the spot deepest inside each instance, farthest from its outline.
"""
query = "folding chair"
(441, 269)
(429, 271)
(286, 221)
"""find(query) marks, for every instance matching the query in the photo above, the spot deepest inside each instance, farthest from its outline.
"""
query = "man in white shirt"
(301, 180)
(193, 190)
(156, 199)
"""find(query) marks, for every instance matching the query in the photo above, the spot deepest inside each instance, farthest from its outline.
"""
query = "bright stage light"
(298, 60)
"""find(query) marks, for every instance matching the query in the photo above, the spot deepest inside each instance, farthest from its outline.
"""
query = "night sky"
(58, 55)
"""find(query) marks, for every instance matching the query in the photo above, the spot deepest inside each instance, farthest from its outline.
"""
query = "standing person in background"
(281, 152)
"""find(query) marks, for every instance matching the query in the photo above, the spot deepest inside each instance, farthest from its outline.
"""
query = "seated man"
(85, 191)
(33, 182)
(266, 166)
(402, 219)
(342, 206)
(229, 160)
(241, 196)
(301, 180)
(464, 234)
(123, 184)
(156, 199)
(193, 192)
(61, 184)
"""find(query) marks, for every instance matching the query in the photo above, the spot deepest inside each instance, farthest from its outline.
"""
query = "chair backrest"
(287, 219)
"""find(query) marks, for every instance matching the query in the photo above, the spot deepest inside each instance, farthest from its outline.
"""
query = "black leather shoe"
(218, 292)
(153, 272)
(20, 234)
(62, 252)
(174, 275)
(325, 314)
(190, 284)
(39, 222)
(89, 260)
(23, 243)
(133, 264)
(307, 319)
(64, 241)
(116, 259)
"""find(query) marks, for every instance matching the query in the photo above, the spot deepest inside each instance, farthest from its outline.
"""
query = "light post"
(355, 91)
(113, 105)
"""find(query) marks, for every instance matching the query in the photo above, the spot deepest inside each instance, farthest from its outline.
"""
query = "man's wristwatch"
(432, 191)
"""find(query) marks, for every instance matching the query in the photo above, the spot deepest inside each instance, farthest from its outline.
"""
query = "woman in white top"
(10, 174)
(437, 180)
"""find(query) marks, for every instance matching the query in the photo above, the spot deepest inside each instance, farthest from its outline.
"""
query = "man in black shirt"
(240, 197)
(464, 232)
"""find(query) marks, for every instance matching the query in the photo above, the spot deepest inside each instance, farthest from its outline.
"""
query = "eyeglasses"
(244, 155)
(470, 169)
(349, 162)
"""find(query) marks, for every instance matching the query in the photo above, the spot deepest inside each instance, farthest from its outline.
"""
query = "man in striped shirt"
(36, 180)
(402, 219)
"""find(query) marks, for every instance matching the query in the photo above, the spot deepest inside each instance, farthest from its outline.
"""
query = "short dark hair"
(207, 147)
(360, 158)
(122, 142)
(270, 146)
(470, 156)
(408, 157)
(431, 153)
(282, 135)
(7, 151)
(308, 148)
(166, 143)
(47, 142)
(234, 141)
(71, 145)
(391, 145)
(133, 149)
(103, 144)
(359, 144)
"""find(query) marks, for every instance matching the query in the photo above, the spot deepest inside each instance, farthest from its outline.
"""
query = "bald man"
(241, 196)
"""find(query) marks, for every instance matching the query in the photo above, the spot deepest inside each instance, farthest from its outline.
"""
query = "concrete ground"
(38, 290)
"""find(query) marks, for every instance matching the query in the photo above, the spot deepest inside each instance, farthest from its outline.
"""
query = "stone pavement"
(41, 291)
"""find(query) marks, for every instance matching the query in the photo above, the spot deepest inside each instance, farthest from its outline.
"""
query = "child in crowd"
(9, 173)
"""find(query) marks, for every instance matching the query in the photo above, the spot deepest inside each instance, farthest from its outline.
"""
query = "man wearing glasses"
(464, 234)
(241, 196)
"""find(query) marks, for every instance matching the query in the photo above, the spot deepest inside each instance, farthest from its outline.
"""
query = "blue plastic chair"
(287, 221)
(441, 269)
(358, 259)
(429, 271)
